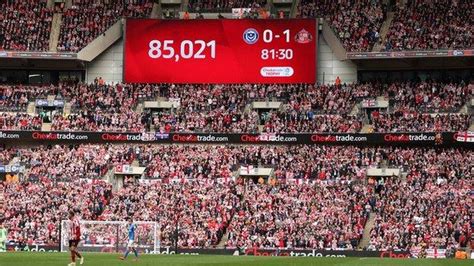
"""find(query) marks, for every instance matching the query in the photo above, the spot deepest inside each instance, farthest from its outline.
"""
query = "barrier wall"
(465, 139)
(245, 252)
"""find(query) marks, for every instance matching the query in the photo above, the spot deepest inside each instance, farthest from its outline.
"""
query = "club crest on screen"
(303, 36)
(250, 36)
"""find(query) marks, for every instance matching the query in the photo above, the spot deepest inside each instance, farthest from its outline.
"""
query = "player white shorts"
(131, 244)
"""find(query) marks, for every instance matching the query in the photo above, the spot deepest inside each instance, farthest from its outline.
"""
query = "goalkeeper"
(3, 238)
(131, 246)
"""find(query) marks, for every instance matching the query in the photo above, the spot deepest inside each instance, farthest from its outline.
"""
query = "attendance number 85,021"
(186, 49)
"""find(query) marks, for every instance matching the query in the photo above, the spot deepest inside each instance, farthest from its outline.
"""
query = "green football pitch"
(97, 259)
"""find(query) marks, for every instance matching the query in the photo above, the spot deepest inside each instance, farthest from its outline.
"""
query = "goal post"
(112, 236)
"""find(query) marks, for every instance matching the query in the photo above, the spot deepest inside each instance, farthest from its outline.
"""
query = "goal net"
(112, 236)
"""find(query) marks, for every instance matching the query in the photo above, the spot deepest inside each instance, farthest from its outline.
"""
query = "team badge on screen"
(303, 36)
(250, 36)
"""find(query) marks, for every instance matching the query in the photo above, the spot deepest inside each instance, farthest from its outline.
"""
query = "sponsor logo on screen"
(277, 71)
(250, 36)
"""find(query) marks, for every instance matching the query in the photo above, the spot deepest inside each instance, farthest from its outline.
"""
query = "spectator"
(223, 5)
(87, 19)
(430, 207)
(356, 23)
(431, 25)
(25, 25)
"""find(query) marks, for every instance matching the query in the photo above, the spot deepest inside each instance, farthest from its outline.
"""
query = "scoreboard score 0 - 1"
(220, 51)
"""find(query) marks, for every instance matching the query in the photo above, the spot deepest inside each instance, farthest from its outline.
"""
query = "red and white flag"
(434, 253)
(467, 136)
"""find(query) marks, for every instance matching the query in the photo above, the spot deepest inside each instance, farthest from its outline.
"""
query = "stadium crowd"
(422, 212)
(34, 210)
(431, 25)
(431, 207)
(405, 121)
(13, 98)
(195, 190)
(284, 122)
(68, 163)
(20, 121)
(191, 162)
(356, 23)
(417, 25)
(6, 155)
(85, 20)
(430, 96)
(223, 5)
(25, 25)
(317, 196)
(202, 210)
(200, 162)
(225, 108)
(300, 216)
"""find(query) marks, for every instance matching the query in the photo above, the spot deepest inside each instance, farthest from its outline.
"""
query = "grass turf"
(101, 259)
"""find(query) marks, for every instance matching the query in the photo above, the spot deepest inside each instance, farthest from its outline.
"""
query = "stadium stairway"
(102, 42)
(367, 128)
(67, 109)
(31, 108)
(269, 5)
(364, 242)
(383, 31)
(139, 108)
(294, 8)
(223, 241)
(135, 163)
(14, 160)
(46, 127)
(161, 99)
(109, 177)
(2, 202)
(355, 110)
(55, 30)
(248, 108)
(185, 5)
(465, 108)
(156, 11)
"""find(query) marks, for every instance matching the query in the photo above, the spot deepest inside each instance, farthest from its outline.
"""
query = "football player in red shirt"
(74, 238)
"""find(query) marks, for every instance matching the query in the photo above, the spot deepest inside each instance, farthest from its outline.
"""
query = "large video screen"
(220, 51)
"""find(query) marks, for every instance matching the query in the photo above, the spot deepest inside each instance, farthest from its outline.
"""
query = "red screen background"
(235, 62)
